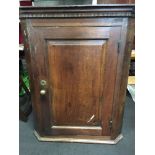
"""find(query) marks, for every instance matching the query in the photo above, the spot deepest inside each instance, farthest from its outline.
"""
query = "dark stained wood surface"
(84, 62)
(122, 75)
(79, 11)
(75, 74)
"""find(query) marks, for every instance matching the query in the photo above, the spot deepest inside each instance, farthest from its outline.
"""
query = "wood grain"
(75, 75)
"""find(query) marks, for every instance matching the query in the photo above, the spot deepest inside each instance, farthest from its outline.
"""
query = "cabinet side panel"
(34, 48)
(25, 25)
(110, 78)
(127, 36)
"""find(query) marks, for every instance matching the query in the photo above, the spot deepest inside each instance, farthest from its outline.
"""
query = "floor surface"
(29, 145)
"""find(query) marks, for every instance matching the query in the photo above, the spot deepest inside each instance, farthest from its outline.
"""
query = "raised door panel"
(76, 74)
(75, 79)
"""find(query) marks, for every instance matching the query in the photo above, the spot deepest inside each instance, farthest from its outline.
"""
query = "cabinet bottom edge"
(77, 139)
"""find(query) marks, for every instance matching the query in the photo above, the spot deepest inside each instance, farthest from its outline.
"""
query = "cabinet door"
(79, 66)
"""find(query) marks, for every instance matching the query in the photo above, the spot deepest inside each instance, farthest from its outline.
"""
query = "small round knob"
(42, 92)
(43, 83)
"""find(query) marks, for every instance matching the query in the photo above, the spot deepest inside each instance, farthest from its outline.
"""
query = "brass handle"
(43, 85)
(42, 92)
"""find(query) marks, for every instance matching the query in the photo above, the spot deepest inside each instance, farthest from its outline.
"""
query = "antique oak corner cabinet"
(78, 58)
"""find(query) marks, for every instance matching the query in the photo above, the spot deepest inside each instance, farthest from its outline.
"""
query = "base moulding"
(77, 139)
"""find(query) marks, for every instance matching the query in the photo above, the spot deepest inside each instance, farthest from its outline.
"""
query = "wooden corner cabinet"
(78, 59)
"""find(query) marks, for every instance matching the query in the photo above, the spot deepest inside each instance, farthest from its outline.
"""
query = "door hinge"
(118, 46)
(110, 124)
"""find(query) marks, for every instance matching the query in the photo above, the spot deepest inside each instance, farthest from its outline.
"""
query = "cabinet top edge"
(104, 10)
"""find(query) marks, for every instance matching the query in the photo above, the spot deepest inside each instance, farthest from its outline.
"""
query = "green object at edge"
(25, 79)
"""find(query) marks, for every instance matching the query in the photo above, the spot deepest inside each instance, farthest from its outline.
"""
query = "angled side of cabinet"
(77, 59)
